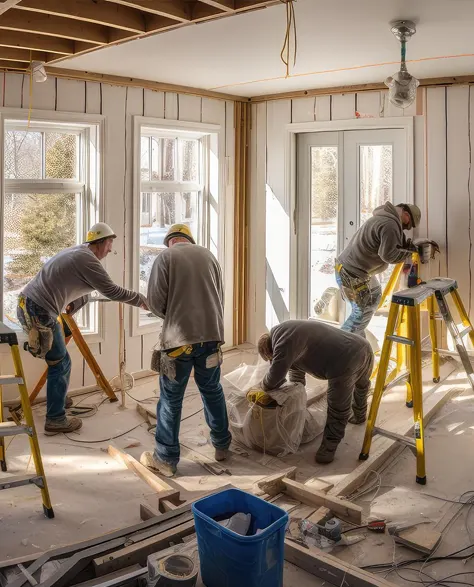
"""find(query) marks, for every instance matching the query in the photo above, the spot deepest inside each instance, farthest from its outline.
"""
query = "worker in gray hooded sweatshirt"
(345, 360)
(379, 242)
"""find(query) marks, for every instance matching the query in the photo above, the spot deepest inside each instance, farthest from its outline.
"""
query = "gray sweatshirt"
(70, 275)
(375, 245)
(185, 289)
(313, 347)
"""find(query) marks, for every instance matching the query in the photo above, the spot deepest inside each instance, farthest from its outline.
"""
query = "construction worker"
(62, 285)
(378, 242)
(185, 289)
(345, 360)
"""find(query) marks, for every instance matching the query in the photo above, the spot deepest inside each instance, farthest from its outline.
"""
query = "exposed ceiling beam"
(159, 23)
(104, 13)
(175, 9)
(37, 42)
(54, 26)
(226, 5)
(206, 12)
(14, 54)
(13, 64)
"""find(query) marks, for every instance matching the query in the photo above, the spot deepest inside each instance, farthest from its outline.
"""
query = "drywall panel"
(154, 104)
(213, 111)
(459, 213)
(171, 106)
(368, 104)
(303, 109)
(189, 108)
(71, 95)
(13, 84)
(93, 98)
(43, 95)
(420, 174)
(323, 108)
(343, 106)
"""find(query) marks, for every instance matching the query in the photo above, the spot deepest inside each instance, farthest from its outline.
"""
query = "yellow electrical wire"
(290, 24)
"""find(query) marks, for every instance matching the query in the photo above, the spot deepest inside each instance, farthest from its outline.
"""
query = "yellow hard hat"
(178, 230)
(98, 232)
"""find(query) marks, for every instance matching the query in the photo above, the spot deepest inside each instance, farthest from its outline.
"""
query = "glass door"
(342, 177)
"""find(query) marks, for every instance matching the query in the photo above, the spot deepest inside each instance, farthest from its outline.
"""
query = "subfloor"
(92, 494)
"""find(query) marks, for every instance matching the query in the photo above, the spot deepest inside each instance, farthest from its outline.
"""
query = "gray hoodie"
(376, 244)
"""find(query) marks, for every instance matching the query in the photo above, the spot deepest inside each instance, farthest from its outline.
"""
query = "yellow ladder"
(8, 336)
(406, 306)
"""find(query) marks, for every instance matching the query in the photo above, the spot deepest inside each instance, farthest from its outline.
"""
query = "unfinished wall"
(442, 184)
(118, 105)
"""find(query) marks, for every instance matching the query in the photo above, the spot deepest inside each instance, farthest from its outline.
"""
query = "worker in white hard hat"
(63, 285)
(379, 242)
(186, 290)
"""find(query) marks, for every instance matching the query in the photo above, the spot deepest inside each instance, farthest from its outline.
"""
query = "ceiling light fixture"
(402, 86)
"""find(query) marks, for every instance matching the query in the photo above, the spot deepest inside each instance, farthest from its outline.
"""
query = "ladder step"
(465, 331)
(12, 429)
(394, 436)
(10, 380)
(401, 339)
(19, 480)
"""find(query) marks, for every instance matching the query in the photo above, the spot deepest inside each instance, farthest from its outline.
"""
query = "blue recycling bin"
(230, 560)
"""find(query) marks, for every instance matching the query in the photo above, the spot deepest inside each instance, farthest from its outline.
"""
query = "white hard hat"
(98, 232)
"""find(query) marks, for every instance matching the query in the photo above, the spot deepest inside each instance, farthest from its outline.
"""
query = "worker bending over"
(185, 289)
(378, 242)
(298, 347)
(62, 285)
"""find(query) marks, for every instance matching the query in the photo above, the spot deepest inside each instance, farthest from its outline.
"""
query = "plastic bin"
(230, 560)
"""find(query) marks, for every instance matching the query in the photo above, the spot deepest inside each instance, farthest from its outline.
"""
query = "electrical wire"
(103, 439)
(290, 24)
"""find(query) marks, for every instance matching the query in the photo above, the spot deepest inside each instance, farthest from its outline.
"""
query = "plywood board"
(13, 87)
(154, 104)
(189, 108)
(213, 111)
(323, 108)
(368, 104)
(343, 106)
(93, 98)
(71, 95)
(171, 106)
(303, 109)
(421, 538)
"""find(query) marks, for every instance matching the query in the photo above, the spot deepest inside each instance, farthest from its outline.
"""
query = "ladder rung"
(401, 339)
(10, 380)
(465, 331)
(12, 429)
(19, 480)
(394, 436)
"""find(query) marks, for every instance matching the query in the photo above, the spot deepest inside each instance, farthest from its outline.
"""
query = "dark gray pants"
(348, 394)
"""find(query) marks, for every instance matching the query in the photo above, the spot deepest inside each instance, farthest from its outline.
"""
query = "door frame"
(293, 129)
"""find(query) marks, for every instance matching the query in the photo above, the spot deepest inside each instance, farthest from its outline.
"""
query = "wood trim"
(116, 80)
(175, 9)
(242, 118)
(118, 16)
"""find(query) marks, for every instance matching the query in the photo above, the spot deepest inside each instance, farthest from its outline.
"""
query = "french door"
(341, 178)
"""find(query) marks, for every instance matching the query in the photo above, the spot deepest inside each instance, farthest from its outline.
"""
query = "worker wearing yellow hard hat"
(179, 230)
(63, 285)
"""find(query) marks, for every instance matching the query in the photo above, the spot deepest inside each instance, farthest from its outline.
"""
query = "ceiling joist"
(37, 42)
(14, 54)
(175, 9)
(226, 5)
(103, 13)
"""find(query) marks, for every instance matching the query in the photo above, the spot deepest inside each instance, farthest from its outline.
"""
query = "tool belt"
(354, 288)
(40, 337)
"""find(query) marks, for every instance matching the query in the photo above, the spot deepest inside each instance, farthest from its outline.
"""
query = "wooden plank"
(458, 175)
(93, 98)
(154, 104)
(171, 106)
(138, 553)
(71, 96)
(273, 484)
(97, 582)
(43, 94)
(140, 470)
(368, 104)
(341, 508)
(13, 84)
(331, 569)
(343, 106)
(421, 538)
(420, 174)
(323, 108)
(303, 110)
(190, 108)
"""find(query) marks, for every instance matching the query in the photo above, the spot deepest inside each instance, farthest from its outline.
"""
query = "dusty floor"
(93, 494)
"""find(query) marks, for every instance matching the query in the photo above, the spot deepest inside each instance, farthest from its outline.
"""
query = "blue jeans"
(175, 372)
(363, 308)
(57, 358)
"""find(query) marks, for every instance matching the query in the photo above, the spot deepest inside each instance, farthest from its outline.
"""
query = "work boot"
(357, 419)
(221, 454)
(325, 454)
(68, 403)
(149, 460)
(63, 425)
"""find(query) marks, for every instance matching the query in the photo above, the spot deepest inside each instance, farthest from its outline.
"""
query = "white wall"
(443, 178)
(118, 105)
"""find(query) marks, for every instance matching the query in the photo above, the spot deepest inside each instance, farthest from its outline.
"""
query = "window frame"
(89, 183)
(212, 137)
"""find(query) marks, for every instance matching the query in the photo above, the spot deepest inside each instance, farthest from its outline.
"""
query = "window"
(177, 178)
(50, 198)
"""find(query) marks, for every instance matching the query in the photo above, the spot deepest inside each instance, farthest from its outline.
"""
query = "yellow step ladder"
(8, 336)
(407, 305)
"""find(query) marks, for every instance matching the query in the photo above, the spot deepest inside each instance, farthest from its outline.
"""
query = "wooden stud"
(36, 42)
(273, 484)
(118, 16)
(175, 9)
(55, 26)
